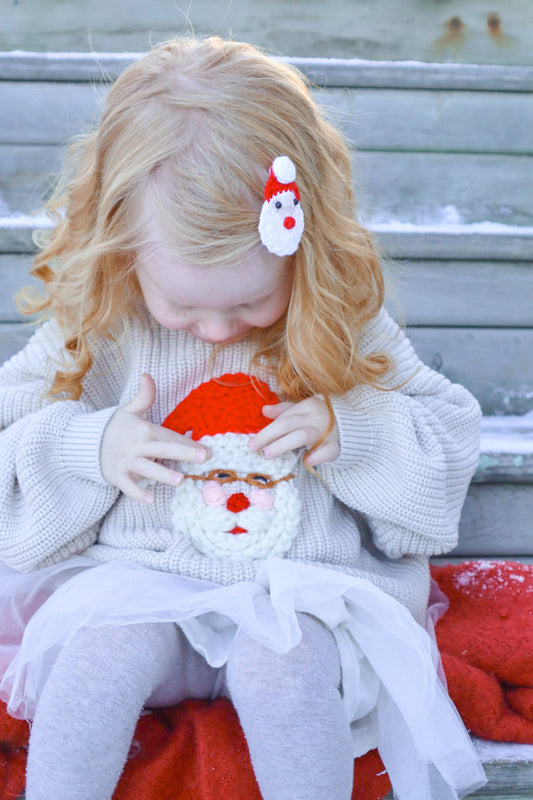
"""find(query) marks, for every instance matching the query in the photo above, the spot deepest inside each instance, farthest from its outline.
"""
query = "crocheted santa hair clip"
(281, 222)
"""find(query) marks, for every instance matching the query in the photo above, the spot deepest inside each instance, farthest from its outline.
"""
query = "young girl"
(168, 528)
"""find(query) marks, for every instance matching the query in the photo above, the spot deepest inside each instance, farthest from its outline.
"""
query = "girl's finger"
(324, 454)
(145, 468)
(173, 450)
(136, 492)
(274, 411)
(292, 441)
(145, 397)
(282, 426)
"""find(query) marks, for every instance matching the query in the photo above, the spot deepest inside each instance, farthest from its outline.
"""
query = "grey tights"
(289, 707)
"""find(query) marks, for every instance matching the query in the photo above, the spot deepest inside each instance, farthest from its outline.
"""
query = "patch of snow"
(502, 751)
(26, 221)
(69, 56)
(486, 228)
(510, 434)
(430, 66)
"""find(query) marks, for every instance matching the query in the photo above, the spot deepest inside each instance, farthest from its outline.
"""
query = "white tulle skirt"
(393, 696)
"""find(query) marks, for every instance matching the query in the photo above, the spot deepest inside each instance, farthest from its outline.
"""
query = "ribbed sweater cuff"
(355, 432)
(80, 445)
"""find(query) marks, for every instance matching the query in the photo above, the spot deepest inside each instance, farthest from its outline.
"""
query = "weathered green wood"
(494, 364)
(413, 29)
(27, 173)
(421, 188)
(462, 293)
(447, 121)
(47, 113)
(450, 121)
(467, 242)
(402, 242)
(445, 187)
(14, 274)
(327, 72)
(496, 521)
(439, 293)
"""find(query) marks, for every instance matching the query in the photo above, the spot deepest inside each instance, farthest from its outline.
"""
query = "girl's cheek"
(213, 494)
(262, 498)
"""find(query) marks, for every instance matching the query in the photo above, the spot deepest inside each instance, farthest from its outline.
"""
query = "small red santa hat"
(230, 404)
(281, 178)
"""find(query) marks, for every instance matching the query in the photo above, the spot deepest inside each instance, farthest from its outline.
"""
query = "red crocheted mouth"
(236, 529)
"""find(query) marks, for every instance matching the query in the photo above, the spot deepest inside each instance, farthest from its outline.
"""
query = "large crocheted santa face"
(237, 504)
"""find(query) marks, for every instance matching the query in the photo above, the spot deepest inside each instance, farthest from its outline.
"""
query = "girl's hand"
(131, 444)
(297, 425)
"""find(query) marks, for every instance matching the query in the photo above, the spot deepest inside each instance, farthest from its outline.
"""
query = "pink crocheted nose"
(237, 502)
(289, 222)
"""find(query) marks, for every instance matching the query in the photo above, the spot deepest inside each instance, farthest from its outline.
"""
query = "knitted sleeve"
(407, 454)
(53, 494)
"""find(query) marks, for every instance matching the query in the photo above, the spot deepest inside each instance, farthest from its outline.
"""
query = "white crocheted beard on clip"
(276, 237)
(237, 504)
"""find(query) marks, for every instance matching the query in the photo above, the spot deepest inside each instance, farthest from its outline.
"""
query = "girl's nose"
(217, 331)
(237, 502)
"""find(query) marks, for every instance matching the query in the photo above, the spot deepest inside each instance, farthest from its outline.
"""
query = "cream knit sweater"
(405, 463)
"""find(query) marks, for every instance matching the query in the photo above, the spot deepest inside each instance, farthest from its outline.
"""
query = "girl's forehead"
(252, 278)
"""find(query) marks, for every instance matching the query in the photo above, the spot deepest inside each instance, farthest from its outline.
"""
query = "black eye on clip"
(295, 202)
(278, 204)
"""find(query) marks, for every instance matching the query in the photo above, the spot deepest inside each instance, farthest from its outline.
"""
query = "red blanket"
(486, 643)
(198, 752)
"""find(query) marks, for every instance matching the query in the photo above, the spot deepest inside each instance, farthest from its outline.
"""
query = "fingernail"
(176, 478)
(148, 499)
(200, 455)
(251, 443)
(266, 453)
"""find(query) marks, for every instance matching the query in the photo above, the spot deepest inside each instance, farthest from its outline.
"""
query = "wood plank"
(396, 240)
(474, 241)
(430, 190)
(444, 188)
(27, 173)
(506, 450)
(375, 119)
(326, 72)
(14, 273)
(450, 121)
(496, 521)
(439, 293)
(462, 293)
(47, 113)
(451, 31)
(494, 364)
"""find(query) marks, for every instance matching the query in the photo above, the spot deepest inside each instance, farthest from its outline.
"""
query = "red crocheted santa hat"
(281, 178)
(229, 404)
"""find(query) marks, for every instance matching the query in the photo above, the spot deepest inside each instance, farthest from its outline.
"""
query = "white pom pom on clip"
(281, 222)
(283, 169)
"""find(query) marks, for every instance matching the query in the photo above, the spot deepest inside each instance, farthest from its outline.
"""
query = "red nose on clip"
(289, 222)
(237, 502)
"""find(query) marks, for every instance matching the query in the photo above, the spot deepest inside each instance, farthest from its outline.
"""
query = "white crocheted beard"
(275, 236)
(237, 504)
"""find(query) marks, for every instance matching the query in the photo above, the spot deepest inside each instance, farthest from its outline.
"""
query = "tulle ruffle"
(392, 693)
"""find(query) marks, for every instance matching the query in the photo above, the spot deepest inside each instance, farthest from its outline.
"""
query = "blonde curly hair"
(213, 114)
